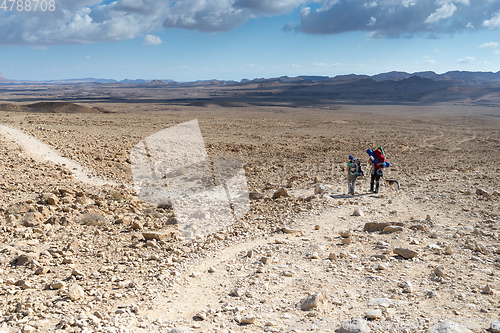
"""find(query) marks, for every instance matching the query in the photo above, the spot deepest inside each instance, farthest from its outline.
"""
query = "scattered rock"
(448, 327)
(357, 212)
(392, 228)
(407, 286)
(180, 330)
(57, 285)
(25, 259)
(375, 226)
(281, 193)
(76, 292)
(488, 290)
(248, 320)
(374, 314)
(153, 235)
(482, 192)
(136, 225)
(405, 253)
(355, 325)
(311, 301)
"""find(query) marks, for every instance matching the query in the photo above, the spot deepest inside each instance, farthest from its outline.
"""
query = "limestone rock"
(281, 193)
(180, 330)
(407, 286)
(57, 285)
(355, 325)
(153, 235)
(405, 253)
(248, 319)
(76, 292)
(392, 228)
(375, 226)
(357, 212)
(312, 301)
(488, 290)
(374, 314)
(25, 258)
(448, 327)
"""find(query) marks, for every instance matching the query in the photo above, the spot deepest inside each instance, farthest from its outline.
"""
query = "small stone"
(42, 270)
(265, 260)
(311, 301)
(345, 234)
(392, 228)
(381, 267)
(317, 227)
(153, 235)
(356, 325)
(28, 329)
(180, 330)
(482, 192)
(346, 241)
(374, 314)
(375, 226)
(439, 271)
(405, 253)
(77, 273)
(448, 327)
(52, 200)
(57, 285)
(357, 212)
(26, 258)
(248, 319)
(280, 193)
(488, 290)
(201, 316)
(407, 286)
(332, 256)
(211, 269)
(76, 292)
(136, 225)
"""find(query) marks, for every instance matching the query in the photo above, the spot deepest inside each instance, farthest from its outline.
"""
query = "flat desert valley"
(77, 256)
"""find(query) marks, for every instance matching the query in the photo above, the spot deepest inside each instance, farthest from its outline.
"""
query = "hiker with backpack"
(378, 161)
(353, 172)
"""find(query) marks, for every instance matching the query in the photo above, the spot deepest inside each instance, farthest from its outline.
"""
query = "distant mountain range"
(457, 77)
(482, 88)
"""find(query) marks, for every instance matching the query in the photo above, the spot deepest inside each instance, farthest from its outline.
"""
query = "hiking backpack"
(356, 168)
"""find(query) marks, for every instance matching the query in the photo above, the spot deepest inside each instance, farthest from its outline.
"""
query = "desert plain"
(82, 257)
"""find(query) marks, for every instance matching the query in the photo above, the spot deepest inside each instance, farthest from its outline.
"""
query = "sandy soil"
(74, 257)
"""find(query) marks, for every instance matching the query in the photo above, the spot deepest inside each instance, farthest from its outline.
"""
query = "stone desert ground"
(77, 257)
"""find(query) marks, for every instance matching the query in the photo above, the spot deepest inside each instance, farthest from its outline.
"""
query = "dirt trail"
(45, 153)
(213, 278)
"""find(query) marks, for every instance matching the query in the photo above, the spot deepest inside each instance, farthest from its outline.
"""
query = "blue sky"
(188, 40)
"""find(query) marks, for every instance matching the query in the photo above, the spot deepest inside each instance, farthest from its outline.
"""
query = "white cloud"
(151, 40)
(87, 21)
(466, 60)
(324, 65)
(494, 22)
(490, 45)
(444, 12)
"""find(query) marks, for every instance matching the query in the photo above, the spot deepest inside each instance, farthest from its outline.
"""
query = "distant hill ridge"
(458, 77)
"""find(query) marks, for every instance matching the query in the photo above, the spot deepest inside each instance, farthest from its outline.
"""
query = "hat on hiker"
(351, 157)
